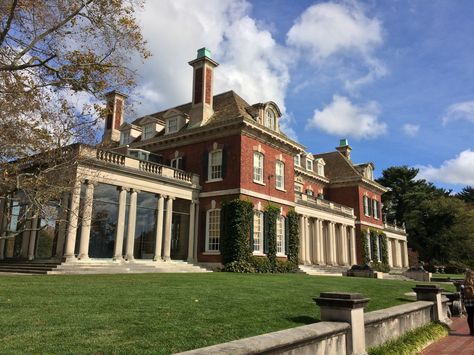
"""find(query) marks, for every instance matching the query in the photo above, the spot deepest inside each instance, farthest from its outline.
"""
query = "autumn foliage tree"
(57, 60)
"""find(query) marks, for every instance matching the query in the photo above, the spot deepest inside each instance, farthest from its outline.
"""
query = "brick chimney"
(114, 119)
(344, 148)
(203, 76)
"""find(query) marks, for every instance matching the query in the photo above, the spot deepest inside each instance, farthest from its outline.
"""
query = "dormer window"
(124, 137)
(309, 164)
(297, 160)
(172, 125)
(270, 119)
(320, 166)
(149, 131)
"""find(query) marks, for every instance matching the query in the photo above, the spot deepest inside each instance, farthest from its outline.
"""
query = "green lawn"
(163, 313)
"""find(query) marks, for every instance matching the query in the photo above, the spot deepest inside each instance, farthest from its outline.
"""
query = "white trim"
(249, 193)
(213, 180)
(209, 165)
(262, 167)
(207, 232)
(260, 234)
(282, 175)
(368, 224)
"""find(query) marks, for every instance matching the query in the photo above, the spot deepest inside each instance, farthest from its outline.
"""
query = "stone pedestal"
(434, 294)
(346, 307)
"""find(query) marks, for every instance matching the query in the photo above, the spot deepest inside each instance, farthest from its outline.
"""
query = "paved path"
(458, 342)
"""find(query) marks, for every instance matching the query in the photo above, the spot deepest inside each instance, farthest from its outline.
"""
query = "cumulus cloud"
(459, 170)
(411, 130)
(460, 111)
(251, 61)
(326, 30)
(342, 118)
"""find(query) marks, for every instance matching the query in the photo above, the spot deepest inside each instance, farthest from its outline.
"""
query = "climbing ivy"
(365, 247)
(293, 237)
(272, 212)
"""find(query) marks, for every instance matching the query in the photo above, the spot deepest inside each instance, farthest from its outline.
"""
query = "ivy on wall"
(384, 247)
(236, 219)
(365, 247)
(271, 212)
(373, 246)
(293, 237)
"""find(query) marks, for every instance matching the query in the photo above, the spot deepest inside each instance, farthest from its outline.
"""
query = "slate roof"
(337, 165)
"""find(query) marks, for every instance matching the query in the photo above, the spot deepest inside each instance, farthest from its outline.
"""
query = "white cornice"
(248, 193)
(311, 175)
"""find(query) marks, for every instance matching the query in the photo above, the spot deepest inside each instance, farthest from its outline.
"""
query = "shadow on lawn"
(303, 320)
(406, 299)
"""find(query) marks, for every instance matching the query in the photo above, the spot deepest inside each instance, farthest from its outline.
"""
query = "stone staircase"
(133, 267)
(323, 270)
(28, 267)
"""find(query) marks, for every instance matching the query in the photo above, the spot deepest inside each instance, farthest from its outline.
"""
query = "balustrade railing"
(110, 157)
(324, 203)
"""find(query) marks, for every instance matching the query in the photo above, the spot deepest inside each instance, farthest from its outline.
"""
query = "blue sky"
(394, 77)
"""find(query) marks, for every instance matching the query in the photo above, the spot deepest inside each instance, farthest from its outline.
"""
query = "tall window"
(280, 235)
(280, 175)
(213, 230)
(258, 167)
(376, 209)
(297, 160)
(258, 232)
(309, 165)
(320, 169)
(215, 165)
(270, 119)
(172, 125)
(177, 163)
(124, 137)
(148, 131)
(366, 206)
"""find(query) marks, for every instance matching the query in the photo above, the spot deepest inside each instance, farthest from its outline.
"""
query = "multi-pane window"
(258, 167)
(376, 209)
(280, 235)
(213, 230)
(177, 163)
(366, 206)
(270, 119)
(124, 137)
(320, 169)
(309, 165)
(280, 175)
(258, 231)
(172, 124)
(215, 165)
(297, 160)
(148, 131)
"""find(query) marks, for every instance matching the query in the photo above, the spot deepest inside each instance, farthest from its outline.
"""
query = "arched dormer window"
(270, 119)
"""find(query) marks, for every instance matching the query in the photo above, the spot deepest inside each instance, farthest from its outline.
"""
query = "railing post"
(434, 294)
(346, 307)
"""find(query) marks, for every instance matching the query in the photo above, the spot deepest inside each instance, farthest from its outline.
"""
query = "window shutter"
(265, 233)
(251, 232)
(224, 162)
(287, 235)
(205, 162)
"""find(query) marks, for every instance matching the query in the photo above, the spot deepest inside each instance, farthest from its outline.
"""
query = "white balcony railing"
(324, 203)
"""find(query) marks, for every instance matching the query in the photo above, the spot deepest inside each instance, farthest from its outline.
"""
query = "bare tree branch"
(9, 22)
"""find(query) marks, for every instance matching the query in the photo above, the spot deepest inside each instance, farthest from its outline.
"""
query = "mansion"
(154, 187)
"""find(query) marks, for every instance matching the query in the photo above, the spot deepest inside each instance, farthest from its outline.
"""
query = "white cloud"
(251, 62)
(459, 170)
(460, 111)
(329, 29)
(343, 118)
(411, 130)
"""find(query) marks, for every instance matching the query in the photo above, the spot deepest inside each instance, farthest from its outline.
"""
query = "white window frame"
(258, 169)
(124, 137)
(309, 192)
(257, 234)
(148, 130)
(309, 164)
(216, 244)
(280, 175)
(320, 169)
(297, 160)
(366, 205)
(214, 168)
(172, 128)
(175, 163)
(375, 209)
(280, 237)
(270, 119)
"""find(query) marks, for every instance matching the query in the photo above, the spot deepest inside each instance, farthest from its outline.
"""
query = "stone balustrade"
(314, 201)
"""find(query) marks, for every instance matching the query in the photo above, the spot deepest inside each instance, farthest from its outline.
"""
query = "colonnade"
(162, 232)
(397, 253)
(326, 242)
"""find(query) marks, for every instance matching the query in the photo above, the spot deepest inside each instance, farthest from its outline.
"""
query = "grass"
(164, 313)
(413, 341)
(446, 276)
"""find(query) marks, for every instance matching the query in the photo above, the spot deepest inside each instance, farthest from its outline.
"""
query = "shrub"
(373, 246)
(365, 247)
(239, 266)
(378, 266)
(293, 237)
(261, 264)
(272, 213)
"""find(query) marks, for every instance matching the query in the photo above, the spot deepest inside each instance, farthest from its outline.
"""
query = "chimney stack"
(202, 104)
(114, 119)
(344, 148)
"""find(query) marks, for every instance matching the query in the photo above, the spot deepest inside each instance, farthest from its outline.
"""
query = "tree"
(57, 60)
(466, 194)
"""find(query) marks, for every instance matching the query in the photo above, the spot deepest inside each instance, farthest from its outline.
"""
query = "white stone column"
(307, 258)
(120, 231)
(345, 245)
(398, 253)
(405, 252)
(320, 240)
(62, 225)
(168, 222)
(314, 237)
(332, 242)
(3, 218)
(33, 234)
(196, 231)
(159, 228)
(73, 222)
(191, 239)
(353, 247)
(132, 219)
(86, 222)
(302, 251)
(389, 252)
